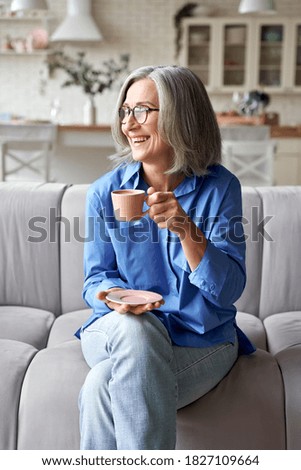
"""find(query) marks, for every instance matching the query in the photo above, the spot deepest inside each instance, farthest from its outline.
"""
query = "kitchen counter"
(81, 152)
(276, 131)
(287, 170)
(286, 132)
(84, 128)
(78, 135)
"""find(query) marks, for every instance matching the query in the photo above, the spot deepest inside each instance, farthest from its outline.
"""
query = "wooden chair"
(26, 160)
(251, 161)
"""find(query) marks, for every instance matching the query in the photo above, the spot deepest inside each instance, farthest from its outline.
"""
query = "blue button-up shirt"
(198, 309)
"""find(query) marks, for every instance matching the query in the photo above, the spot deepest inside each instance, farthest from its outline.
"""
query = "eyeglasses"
(140, 113)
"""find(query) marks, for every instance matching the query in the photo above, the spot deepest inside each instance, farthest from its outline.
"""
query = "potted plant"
(92, 80)
(188, 10)
(184, 12)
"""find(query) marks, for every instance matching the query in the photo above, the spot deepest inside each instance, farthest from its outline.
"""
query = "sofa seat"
(289, 361)
(253, 327)
(15, 358)
(66, 325)
(283, 330)
(230, 405)
(25, 324)
(48, 416)
(244, 411)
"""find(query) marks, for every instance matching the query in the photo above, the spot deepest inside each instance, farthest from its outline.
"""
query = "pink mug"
(128, 204)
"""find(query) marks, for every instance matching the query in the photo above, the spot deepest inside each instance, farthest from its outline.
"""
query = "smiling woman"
(194, 136)
(151, 358)
(143, 136)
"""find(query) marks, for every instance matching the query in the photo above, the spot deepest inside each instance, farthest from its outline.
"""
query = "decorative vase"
(89, 116)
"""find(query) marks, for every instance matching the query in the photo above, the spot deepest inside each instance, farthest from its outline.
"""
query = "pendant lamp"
(21, 5)
(257, 6)
(79, 25)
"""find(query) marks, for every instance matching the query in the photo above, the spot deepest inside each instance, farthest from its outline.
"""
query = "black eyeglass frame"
(130, 111)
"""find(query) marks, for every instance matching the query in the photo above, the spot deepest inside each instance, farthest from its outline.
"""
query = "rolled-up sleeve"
(221, 274)
(220, 278)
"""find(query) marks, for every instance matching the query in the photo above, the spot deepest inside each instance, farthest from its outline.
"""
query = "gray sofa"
(256, 406)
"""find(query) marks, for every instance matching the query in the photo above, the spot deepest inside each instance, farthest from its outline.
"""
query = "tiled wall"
(143, 28)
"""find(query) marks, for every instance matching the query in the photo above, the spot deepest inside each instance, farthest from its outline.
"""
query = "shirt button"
(212, 287)
(203, 282)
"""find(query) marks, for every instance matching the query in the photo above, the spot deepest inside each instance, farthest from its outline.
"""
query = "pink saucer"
(133, 297)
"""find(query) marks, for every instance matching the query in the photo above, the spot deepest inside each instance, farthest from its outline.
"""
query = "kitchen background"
(142, 28)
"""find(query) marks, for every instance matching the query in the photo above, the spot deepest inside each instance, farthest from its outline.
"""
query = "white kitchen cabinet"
(295, 56)
(235, 39)
(218, 51)
(271, 54)
(241, 54)
(200, 46)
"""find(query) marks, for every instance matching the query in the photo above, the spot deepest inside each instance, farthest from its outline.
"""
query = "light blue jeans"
(138, 380)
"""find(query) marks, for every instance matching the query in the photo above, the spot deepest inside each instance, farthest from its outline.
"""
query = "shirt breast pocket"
(129, 235)
(138, 255)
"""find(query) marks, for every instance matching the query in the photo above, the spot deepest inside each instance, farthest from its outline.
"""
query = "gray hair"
(186, 120)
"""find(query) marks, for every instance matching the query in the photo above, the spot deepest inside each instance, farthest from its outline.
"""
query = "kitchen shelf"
(43, 52)
(233, 68)
(271, 43)
(26, 18)
(200, 44)
(18, 35)
(270, 67)
(227, 44)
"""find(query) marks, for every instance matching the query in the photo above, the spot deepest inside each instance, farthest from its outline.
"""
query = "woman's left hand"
(127, 308)
(166, 211)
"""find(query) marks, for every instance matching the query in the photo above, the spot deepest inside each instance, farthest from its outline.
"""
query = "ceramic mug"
(127, 204)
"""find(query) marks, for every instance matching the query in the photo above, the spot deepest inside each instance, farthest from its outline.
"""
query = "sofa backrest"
(72, 247)
(42, 256)
(252, 217)
(72, 237)
(29, 244)
(281, 262)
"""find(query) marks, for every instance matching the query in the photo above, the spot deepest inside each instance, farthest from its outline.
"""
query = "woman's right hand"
(126, 308)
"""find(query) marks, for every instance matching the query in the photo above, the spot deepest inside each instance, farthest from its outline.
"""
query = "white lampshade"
(257, 6)
(20, 5)
(78, 25)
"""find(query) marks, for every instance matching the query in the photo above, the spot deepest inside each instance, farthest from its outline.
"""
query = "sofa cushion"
(72, 247)
(281, 273)
(66, 325)
(253, 328)
(29, 325)
(289, 361)
(14, 360)
(244, 411)
(29, 247)
(48, 416)
(283, 330)
(252, 216)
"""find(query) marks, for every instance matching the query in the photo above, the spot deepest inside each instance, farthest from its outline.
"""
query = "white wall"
(143, 28)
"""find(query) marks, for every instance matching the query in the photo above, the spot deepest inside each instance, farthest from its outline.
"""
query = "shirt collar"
(190, 183)
(186, 186)
(132, 171)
